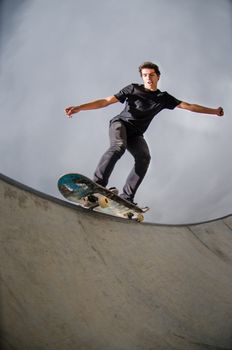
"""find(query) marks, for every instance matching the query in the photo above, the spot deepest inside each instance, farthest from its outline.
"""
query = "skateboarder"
(126, 131)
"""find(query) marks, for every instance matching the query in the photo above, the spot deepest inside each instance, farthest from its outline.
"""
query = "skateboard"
(81, 190)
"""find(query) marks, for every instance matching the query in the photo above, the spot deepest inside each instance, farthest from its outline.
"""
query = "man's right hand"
(220, 111)
(90, 105)
(69, 111)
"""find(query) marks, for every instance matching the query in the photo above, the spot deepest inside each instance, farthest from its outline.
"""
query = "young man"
(143, 102)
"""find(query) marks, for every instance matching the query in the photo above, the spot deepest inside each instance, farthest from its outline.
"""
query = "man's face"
(150, 78)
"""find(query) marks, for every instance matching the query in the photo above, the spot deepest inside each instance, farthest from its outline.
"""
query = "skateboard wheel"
(130, 215)
(140, 218)
(103, 202)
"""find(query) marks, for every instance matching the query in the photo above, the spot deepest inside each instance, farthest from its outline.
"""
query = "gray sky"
(58, 53)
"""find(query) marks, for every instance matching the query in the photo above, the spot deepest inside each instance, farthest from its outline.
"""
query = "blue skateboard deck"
(81, 190)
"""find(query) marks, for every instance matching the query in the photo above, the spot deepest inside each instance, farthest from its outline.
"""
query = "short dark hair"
(149, 65)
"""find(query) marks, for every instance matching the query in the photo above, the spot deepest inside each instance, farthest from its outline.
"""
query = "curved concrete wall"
(78, 280)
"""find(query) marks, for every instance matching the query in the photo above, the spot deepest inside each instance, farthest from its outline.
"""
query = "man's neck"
(150, 88)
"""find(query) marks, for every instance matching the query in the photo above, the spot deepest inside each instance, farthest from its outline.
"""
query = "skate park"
(73, 279)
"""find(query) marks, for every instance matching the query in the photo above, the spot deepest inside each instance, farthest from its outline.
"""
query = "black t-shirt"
(142, 105)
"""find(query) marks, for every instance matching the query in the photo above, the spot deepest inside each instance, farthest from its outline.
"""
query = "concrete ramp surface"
(77, 280)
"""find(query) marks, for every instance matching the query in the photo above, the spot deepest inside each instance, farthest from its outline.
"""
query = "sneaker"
(131, 201)
(114, 190)
(128, 199)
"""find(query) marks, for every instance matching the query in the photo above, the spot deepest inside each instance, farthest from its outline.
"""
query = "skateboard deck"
(81, 190)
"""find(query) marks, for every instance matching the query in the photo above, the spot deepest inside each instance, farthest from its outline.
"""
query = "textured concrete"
(76, 280)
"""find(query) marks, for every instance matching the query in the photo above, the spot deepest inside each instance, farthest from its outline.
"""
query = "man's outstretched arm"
(91, 105)
(201, 109)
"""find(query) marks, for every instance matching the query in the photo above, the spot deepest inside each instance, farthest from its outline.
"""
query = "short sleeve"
(124, 93)
(171, 101)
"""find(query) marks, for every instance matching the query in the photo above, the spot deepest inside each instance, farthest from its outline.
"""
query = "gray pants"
(121, 139)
